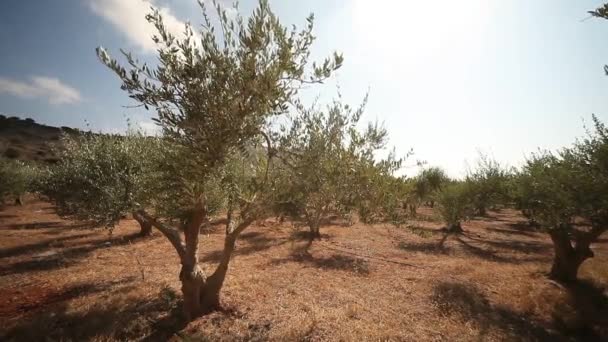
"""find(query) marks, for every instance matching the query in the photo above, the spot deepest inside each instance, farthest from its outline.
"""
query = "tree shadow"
(33, 298)
(144, 319)
(481, 248)
(471, 305)
(64, 258)
(424, 247)
(39, 246)
(253, 242)
(485, 254)
(523, 227)
(585, 313)
(46, 225)
(511, 232)
(336, 261)
(520, 246)
(306, 235)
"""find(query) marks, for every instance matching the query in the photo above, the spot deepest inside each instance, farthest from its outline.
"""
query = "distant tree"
(487, 184)
(329, 162)
(566, 195)
(16, 179)
(454, 205)
(376, 193)
(436, 178)
(425, 188)
(215, 94)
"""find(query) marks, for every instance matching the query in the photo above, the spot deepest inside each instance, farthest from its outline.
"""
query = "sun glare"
(417, 29)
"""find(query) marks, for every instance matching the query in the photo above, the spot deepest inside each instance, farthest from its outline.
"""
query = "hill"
(25, 139)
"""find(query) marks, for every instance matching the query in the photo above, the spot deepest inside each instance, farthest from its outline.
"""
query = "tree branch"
(170, 233)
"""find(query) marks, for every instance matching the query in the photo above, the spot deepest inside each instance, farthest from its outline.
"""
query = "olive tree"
(425, 187)
(565, 193)
(454, 205)
(17, 178)
(379, 193)
(435, 178)
(102, 178)
(215, 94)
(326, 156)
(488, 184)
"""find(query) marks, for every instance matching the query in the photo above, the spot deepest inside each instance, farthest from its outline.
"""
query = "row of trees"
(218, 95)
(562, 194)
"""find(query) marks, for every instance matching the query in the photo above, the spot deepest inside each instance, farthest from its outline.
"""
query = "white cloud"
(128, 16)
(52, 89)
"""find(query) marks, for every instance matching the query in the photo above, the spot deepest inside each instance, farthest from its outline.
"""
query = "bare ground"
(63, 280)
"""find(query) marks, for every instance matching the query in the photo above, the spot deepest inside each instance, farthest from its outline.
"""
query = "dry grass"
(60, 280)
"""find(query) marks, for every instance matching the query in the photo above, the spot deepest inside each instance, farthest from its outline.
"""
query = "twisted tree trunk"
(454, 228)
(145, 225)
(568, 258)
(201, 293)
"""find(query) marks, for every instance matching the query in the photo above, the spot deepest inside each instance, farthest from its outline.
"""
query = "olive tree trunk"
(201, 293)
(144, 225)
(455, 228)
(314, 217)
(567, 257)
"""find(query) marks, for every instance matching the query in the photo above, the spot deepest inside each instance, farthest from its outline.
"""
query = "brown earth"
(63, 280)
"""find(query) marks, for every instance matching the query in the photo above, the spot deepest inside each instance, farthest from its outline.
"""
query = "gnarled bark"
(201, 293)
(454, 228)
(568, 258)
(145, 225)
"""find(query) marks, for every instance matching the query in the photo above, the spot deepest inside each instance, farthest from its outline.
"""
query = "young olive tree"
(435, 178)
(17, 178)
(325, 155)
(379, 193)
(454, 205)
(425, 187)
(566, 195)
(215, 93)
(488, 184)
(102, 178)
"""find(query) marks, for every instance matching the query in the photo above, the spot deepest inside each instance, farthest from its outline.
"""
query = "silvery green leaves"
(557, 188)
(103, 177)
(215, 91)
(17, 177)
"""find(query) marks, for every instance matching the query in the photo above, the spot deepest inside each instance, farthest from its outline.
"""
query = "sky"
(449, 79)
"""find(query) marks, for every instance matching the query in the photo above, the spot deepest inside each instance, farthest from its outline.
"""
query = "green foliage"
(377, 193)
(454, 203)
(103, 177)
(428, 183)
(215, 93)
(331, 166)
(600, 12)
(17, 178)
(555, 189)
(488, 184)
